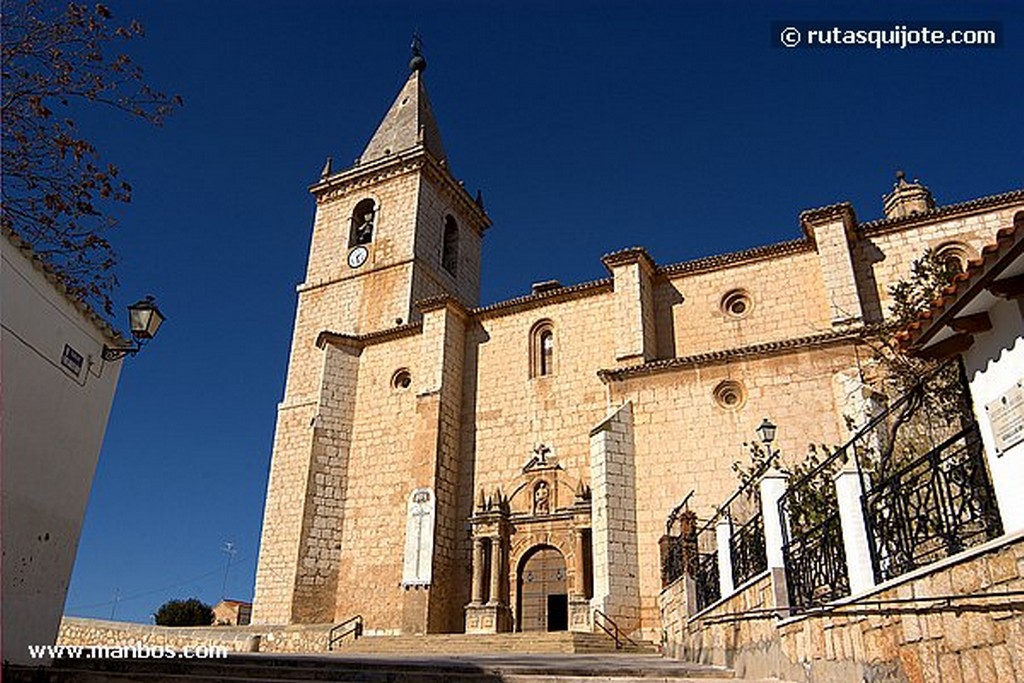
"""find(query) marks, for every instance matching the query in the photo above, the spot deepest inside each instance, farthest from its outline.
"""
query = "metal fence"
(746, 546)
(927, 493)
(812, 537)
(932, 507)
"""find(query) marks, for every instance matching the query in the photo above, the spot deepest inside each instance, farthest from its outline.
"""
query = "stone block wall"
(903, 631)
(381, 472)
(437, 200)
(613, 519)
(76, 631)
(786, 291)
(326, 489)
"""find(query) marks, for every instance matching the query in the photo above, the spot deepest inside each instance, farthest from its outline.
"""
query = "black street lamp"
(767, 432)
(145, 319)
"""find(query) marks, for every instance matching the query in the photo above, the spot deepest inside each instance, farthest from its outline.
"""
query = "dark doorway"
(543, 601)
(558, 612)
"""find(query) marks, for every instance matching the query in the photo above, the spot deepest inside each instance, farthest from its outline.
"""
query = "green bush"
(191, 612)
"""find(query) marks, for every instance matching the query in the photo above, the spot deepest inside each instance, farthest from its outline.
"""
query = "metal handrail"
(615, 632)
(353, 626)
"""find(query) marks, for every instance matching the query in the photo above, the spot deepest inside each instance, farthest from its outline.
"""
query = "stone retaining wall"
(880, 637)
(304, 638)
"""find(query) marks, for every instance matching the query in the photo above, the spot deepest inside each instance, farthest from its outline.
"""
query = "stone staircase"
(559, 642)
(366, 668)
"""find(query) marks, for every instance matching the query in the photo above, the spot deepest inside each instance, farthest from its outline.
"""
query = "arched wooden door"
(543, 593)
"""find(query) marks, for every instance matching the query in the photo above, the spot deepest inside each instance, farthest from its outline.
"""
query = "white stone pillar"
(723, 534)
(855, 535)
(773, 486)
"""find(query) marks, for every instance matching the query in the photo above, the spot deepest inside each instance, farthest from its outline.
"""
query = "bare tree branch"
(55, 190)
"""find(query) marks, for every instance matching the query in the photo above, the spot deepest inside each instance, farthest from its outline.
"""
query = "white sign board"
(1007, 416)
(419, 539)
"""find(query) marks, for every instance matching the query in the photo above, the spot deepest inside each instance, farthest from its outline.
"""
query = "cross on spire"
(417, 63)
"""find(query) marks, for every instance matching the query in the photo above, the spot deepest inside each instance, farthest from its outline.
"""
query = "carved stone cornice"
(361, 177)
(996, 201)
(825, 339)
(813, 218)
(736, 258)
(417, 158)
(358, 341)
(509, 306)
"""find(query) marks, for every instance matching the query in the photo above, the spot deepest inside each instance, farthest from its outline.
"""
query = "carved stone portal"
(532, 564)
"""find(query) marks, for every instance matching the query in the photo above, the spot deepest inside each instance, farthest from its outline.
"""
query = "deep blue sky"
(589, 127)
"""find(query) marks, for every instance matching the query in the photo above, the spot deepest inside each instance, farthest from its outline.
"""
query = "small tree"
(910, 297)
(809, 505)
(191, 612)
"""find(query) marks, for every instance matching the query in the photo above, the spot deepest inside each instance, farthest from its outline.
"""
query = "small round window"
(736, 303)
(401, 379)
(730, 395)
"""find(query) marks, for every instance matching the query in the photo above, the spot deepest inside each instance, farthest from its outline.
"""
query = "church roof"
(409, 122)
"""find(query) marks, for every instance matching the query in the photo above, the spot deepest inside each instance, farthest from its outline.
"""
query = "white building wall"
(995, 362)
(52, 428)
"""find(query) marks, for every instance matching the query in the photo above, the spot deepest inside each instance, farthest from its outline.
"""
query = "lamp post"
(766, 430)
(144, 319)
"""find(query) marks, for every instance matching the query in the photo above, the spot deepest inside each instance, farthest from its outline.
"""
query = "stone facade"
(636, 388)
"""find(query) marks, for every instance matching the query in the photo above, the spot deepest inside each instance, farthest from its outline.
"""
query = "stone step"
(492, 668)
(565, 642)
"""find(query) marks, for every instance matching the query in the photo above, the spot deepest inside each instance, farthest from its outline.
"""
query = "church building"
(443, 466)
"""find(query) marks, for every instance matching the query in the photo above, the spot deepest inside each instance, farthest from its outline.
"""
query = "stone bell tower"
(393, 229)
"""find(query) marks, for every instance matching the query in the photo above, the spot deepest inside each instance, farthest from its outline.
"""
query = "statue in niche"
(541, 504)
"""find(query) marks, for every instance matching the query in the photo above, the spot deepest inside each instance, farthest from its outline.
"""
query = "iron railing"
(932, 507)
(353, 626)
(816, 565)
(678, 545)
(707, 586)
(742, 511)
(608, 625)
(921, 502)
(746, 546)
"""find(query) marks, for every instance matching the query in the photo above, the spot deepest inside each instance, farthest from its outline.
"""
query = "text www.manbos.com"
(880, 36)
(139, 651)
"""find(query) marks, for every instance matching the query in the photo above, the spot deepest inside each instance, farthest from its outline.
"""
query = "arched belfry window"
(450, 246)
(542, 349)
(363, 222)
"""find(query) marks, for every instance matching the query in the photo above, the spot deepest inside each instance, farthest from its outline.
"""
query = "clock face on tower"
(357, 256)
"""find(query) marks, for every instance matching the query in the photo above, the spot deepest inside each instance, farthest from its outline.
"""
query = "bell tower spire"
(410, 120)
(396, 227)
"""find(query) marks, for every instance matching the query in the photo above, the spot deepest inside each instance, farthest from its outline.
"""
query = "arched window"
(362, 223)
(954, 256)
(542, 349)
(450, 246)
